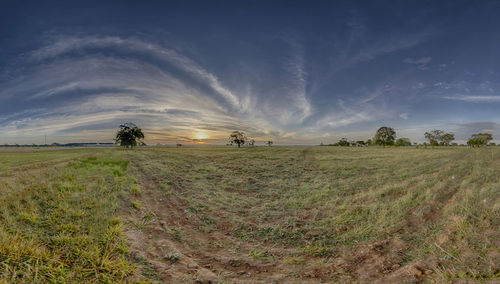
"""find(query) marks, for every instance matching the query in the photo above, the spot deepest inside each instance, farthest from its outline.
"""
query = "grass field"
(257, 214)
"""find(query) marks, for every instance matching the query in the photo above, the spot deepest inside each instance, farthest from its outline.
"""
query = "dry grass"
(436, 210)
(283, 213)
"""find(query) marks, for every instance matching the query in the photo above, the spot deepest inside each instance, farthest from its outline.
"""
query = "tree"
(369, 142)
(403, 142)
(129, 135)
(342, 142)
(360, 143)
(251, 142)
(447, 138)
(473, 142)
(479, 139)
(269, 143)
(385, 136)
(238, 138)
(439, 137)
(434, 136)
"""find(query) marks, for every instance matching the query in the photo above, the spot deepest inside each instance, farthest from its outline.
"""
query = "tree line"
(386, 136)
(130, 135)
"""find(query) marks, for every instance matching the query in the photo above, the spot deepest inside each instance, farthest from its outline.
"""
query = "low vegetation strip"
(58, 223)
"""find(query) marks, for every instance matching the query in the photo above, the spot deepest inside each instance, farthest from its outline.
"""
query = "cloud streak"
(474, 99)
(420, 63)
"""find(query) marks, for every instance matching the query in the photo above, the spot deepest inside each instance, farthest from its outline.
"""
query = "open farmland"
(250, 215)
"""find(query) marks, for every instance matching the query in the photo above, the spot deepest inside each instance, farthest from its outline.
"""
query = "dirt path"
(166, 242)
(172, 250)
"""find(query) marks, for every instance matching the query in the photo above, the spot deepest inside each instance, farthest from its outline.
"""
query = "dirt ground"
(314, 215)
(203, 259)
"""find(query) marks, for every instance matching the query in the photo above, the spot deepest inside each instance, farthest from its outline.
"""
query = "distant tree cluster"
(439, 137)
(402, 142)
(386, 136)
(351, 143)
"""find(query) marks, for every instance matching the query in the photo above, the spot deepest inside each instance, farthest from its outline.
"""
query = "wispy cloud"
(65, 45)
(299, 84)
(78, 82)
(475, 99)
(387, 46)
(350, 114)
(420, 63)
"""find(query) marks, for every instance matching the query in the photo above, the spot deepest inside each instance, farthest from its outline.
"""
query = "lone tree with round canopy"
(129, 135)
(238, 138)
(385, 136)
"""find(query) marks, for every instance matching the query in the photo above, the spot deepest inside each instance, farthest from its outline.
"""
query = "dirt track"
(216, 257)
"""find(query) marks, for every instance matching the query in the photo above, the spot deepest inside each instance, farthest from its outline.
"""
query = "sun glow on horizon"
(200, 135)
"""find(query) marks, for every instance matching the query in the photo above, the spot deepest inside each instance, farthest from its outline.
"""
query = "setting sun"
(200, 136)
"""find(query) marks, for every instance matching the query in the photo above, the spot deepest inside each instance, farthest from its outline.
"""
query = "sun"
(200, 136)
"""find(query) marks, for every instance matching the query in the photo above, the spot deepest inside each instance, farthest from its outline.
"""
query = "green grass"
(36, 158)
(58, 223)
(59, 218)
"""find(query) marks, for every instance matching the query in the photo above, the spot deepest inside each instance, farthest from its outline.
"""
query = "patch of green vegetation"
(59, 224)
(142, 223)
(258, 254)
(136, 189)
(136, 204)
(172, 257)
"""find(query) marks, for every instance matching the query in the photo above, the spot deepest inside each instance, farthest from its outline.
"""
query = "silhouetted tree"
(385, 136)
(269, 143)
(238, 138)
(129, 135)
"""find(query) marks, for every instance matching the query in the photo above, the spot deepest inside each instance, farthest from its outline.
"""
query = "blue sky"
(296, 72)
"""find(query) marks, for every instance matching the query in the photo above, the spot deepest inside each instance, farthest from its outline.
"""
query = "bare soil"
(217, 257)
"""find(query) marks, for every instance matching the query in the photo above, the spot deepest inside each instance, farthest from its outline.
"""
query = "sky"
(295, 72)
